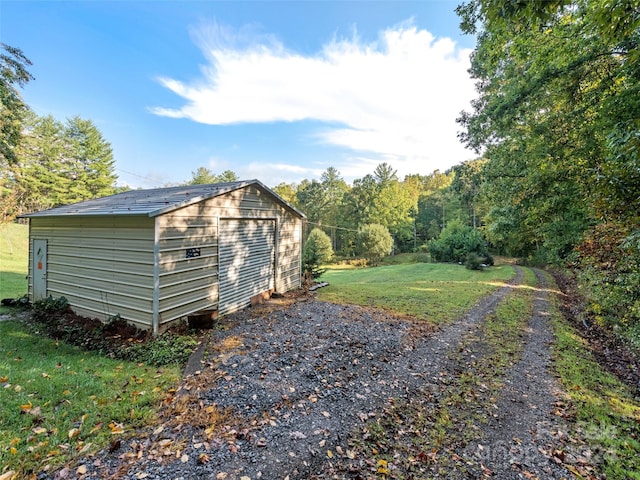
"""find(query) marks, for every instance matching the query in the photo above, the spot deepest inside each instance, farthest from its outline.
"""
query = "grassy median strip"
(422, 435)
(436, 292)
(58, 402)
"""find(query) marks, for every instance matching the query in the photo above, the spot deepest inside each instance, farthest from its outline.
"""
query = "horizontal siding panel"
(126, 256)
(209, 293)
(106, 306)
(195, 283)
(188, 265)
(169, 256)
(208, 231)
(102, 285)
(184, 243)
(176, 278)
(184, 310)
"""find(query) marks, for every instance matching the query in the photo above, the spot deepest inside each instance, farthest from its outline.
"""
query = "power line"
(331, 226)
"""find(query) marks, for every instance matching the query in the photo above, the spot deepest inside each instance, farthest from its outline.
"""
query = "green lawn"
(436, 292)
(14, 251)
(58, 401)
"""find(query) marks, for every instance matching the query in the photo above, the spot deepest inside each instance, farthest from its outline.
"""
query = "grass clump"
(436, 292)
(59, 402)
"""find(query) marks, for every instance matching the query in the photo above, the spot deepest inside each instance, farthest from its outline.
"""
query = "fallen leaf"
(222, 476)
(85, 449)
(97, 427)
(326, 414)
(81, 470)
(74, 432)
(184, 458)
(7, 475)
(329, 454)
(39, 430)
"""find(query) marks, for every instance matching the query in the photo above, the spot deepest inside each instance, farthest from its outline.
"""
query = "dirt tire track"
(518, 441)
(314, 373)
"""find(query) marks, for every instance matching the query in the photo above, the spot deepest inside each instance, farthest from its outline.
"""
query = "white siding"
(188, 285)
(131, 265)
(102, 265)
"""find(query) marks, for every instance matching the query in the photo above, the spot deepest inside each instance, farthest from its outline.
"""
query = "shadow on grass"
(12, 285)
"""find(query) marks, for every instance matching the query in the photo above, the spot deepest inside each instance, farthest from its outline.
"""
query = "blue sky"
(273, 90)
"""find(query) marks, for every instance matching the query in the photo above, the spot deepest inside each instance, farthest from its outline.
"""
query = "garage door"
(246, 251)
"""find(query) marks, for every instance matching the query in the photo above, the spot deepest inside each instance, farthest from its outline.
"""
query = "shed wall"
(102, 265)
(190, 284)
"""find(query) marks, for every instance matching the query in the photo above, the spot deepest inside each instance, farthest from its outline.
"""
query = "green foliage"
(457, 242)
(45, 308)
(609, 266)
(473, 261)
(204, 176)
(317, 251)
(556, 118)
(374, 242)
(166, 349)
(13, 74)
(58, 164)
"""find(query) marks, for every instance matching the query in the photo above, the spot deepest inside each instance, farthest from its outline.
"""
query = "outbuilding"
(154, 256)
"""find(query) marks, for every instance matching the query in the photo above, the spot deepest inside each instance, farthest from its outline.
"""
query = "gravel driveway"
(297, 393)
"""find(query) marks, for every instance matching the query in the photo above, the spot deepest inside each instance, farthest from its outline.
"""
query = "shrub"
(473, 261)
(317, 251)
(45, 308)
(608, 262)
(456, 242)
(166, 349)
(374, 242)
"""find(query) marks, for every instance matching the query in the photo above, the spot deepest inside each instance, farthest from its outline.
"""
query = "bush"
(317, 251)
(45, 308)
(166, 349)
(473, 261)
(374, 242)
(608, 262)
(456, 242)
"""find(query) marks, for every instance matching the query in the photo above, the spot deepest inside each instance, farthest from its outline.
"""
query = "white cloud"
(394, 100)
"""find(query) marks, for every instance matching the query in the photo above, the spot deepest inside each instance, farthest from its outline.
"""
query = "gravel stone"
(305, 377)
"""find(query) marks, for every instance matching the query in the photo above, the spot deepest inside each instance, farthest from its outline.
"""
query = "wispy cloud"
(395, 99)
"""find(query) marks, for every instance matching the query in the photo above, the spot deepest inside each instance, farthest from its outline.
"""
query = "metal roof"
(155, 201)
